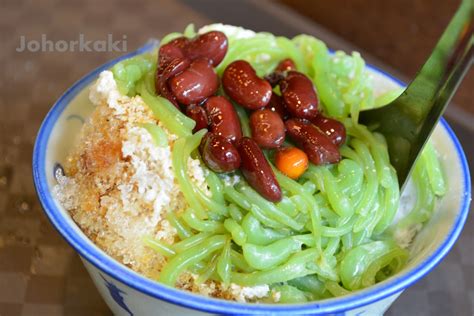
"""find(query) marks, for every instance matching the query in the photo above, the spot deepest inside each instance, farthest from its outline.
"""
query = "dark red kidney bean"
(257, 170)
(277, 105)
(180, 42)
(268, 129)
(171, 61)
(333, 129)
(199, 115)
(286, 64)
(196, 83)
(319, 148)
(173, 68)
(299, 94)
(223, 118)
(219, 154)
(211, 45)
(171, 50)
(242, 84)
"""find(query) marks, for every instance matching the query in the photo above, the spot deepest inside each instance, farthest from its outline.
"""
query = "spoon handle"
(408, 121)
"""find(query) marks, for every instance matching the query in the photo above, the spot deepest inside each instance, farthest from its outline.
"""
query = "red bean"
(257, 170)
(196, 83)
(211, 45)
(299, 95)
(286, 64)
(242, 84)
(180, 42)
(199, 115)
(219, 154)
(223, 118)
(171, 50)
(333, 129)
(277, 105)
(173, 68)
(171, 60)
(315, 143)
(268, 129)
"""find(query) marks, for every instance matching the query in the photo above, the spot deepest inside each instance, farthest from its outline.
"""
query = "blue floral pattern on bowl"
(116, 294)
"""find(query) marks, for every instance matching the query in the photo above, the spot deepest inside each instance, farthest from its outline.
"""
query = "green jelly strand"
(182, 229)
(200, 225)
(180, 262)
(165, 112)
(370, 193)
(157, 134)
(296, 266)
(190, 242)
(158, 246)
(290, 294)
(238, 234)
(180, 153)
(269, 209)
(257, 234)
(358, 259)
(266, 257)
(434, 170)
(224, 264)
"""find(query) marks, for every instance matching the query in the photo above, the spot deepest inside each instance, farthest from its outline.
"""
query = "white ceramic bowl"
(128, 293)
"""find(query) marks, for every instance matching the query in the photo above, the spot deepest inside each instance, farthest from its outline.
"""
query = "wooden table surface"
(39, 273)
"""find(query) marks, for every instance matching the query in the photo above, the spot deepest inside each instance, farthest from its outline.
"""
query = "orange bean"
(291, 161)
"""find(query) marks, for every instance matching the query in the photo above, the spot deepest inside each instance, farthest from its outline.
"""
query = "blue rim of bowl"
(103, 262)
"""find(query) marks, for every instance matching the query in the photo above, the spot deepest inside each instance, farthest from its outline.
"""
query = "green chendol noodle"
(333, 231)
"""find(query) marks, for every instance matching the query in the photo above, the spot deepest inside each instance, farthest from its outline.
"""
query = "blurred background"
(39, 273)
